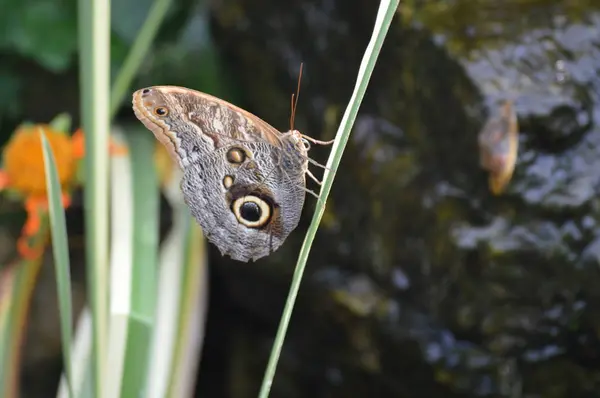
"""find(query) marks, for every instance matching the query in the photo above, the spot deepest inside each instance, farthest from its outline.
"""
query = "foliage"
(65, 156)
(41, 37)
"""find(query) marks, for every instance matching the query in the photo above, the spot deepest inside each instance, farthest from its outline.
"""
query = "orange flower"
(24, 161)
(24, 173)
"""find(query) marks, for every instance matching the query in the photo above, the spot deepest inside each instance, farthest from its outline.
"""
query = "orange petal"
(36, 203)
(33, 205)
(32, 224)
(27, 252)
(4, 180)
(66, 200)
(78, 143)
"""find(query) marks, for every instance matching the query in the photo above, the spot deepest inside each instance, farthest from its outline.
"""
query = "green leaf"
(192, 312)
(10, 87)
(128, 16)
(60, 249)
(135, 210)
(45, 31)
(145, 259)
(182, 303)
(80, 359)
(18, 280)
(61, 122)
(139, 49)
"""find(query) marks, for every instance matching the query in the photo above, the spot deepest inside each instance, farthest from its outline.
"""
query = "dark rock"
(420, 283)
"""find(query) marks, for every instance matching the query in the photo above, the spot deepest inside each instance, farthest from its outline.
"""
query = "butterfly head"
(295, 151)
(160, 109)
(161, 105)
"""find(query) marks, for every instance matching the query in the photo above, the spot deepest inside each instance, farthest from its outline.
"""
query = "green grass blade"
(94, 59)
(138, 52)
(120, 87)
(182, 302)
(80, 359)
(8, 279)
(169, 299)
(121, 259)
(387, 10)
(60, 249)
(165, 336)
(192, 313)
(145, 258)
(192, 288)
(135, 212)
(18, 281)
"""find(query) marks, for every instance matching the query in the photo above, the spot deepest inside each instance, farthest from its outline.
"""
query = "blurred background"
(421, 283)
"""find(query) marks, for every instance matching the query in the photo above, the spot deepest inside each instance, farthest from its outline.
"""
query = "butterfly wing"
(237, 182)
(192, 117)
(246, 211)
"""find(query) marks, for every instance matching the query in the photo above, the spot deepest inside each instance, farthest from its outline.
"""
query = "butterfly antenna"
(292, 114)
(295, 103)
(298, 88)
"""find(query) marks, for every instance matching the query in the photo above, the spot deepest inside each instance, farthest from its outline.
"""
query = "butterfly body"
(243, 180)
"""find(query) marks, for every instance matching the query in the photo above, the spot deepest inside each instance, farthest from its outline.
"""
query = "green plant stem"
(138, 52)
(94, 57)
(387, 10)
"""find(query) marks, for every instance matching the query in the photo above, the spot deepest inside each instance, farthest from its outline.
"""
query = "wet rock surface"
(420, 282)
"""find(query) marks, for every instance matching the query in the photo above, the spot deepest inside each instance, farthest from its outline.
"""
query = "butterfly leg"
(314, 141)
(311, 192)
(315, 179)
(318, 164)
